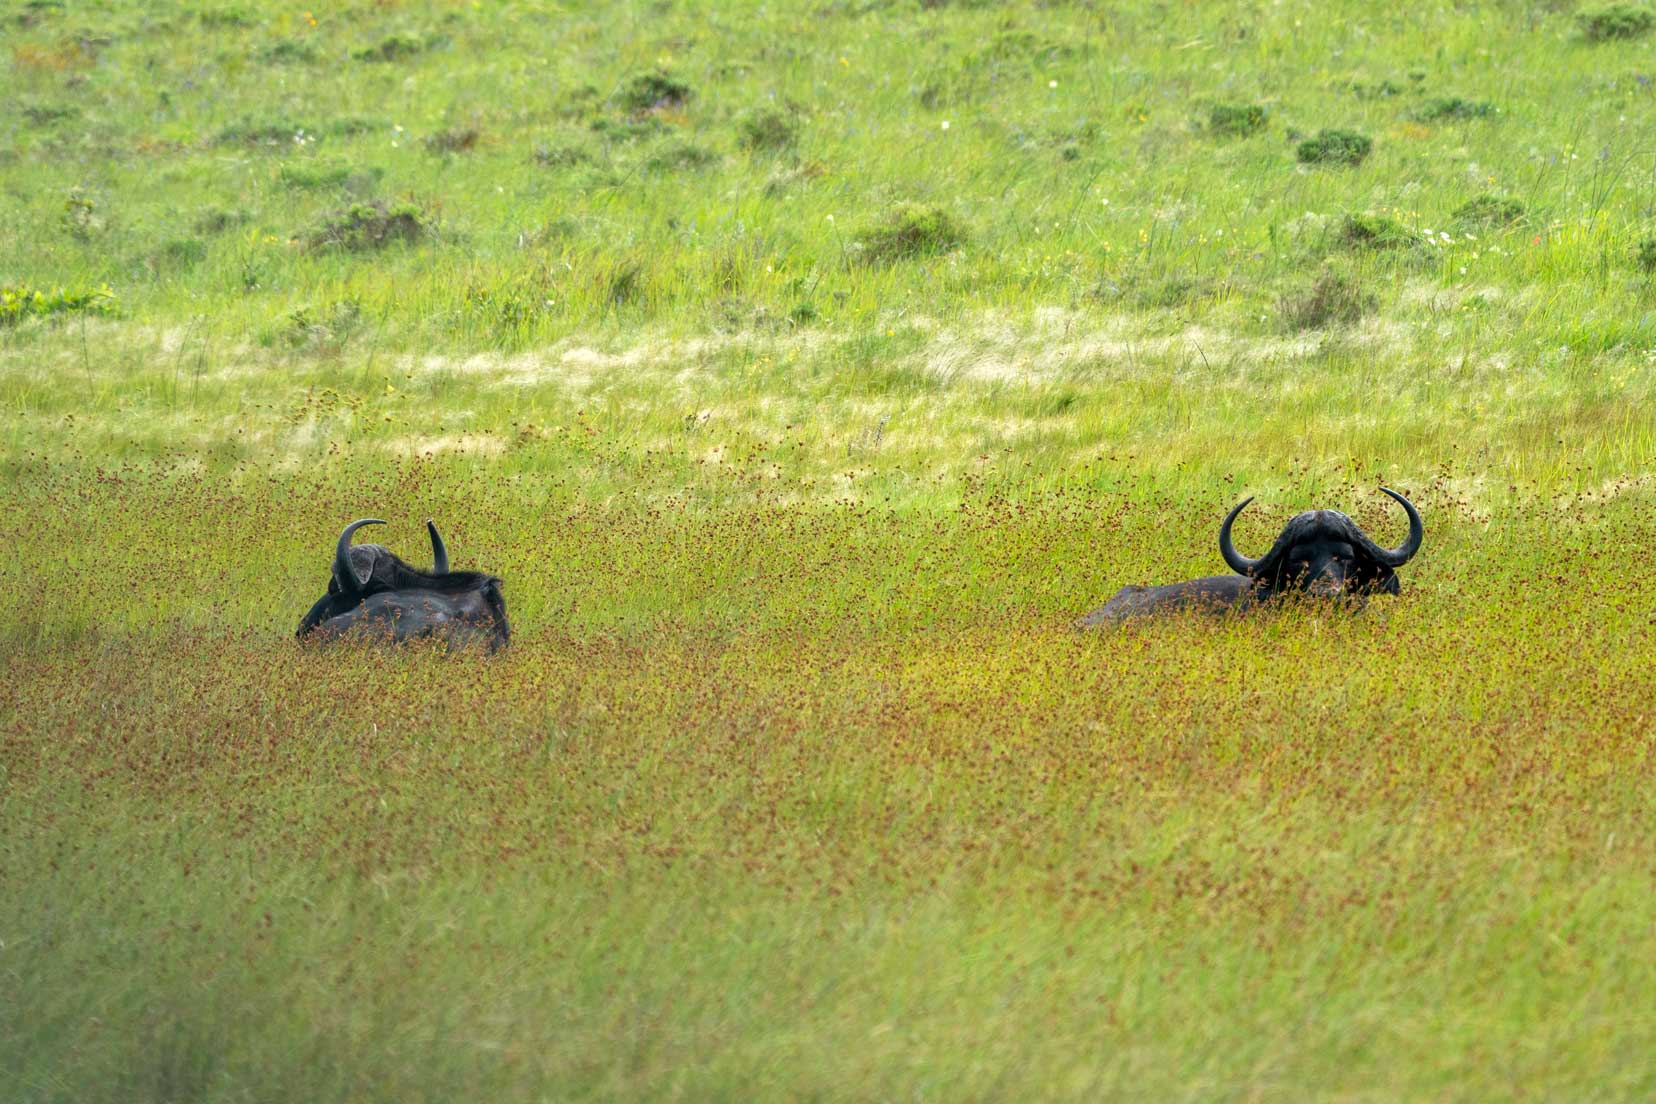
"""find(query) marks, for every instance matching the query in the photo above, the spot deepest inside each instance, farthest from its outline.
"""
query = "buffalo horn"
(1237, 561)
(1397, 557)
(439, 552)
(343, 571)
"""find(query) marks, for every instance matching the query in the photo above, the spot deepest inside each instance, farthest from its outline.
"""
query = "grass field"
(806, 370)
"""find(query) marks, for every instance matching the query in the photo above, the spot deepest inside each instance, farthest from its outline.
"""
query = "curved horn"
(1397, 557)
(343, 571)
(1237, 561)
(439, 551)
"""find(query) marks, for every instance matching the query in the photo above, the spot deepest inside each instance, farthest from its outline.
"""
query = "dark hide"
(388, 599)
(1320, 553)
(474, 611)
(1213, 594)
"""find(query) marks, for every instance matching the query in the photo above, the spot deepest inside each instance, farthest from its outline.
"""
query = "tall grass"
(801, 426)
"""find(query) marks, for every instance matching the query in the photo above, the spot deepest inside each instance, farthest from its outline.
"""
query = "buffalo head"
(372, 588)
(1324, 553)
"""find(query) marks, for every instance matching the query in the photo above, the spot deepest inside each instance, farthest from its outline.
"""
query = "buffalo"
(1321, 553)
(376, 593)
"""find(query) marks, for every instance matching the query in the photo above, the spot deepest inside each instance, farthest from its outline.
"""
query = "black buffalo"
(1320, 552)
(373, 591)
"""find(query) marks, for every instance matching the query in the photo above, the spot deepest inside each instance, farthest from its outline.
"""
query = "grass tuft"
(1335, 147)
(364, 227)
(1236, 120)
(1376, 232)
(391, 48)
(21, 301)
(1615, 22)
(1334, 298)
(1645, 255)
(911, 230)
(657, 91)
(1489, 211)
(1440, 108)
(767, 129)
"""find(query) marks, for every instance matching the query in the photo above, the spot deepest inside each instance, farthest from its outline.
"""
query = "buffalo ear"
(1389, 584)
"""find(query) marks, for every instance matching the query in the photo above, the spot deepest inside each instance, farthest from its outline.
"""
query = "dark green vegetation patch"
(1334, 298)
(21, 301)
(1645, 255)
(768, 129)
(1616, 21)
(1377, 232)
(1335, 147)
(657, 91)
(912, 230)
(1489, 210)
(396, 47)
(364, 227)
(1236, 120)
(1454, 108)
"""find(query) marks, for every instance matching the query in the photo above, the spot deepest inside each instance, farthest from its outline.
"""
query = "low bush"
(655, 91)
(394, 47)
(1376, 232)
(1236, 120)
(453, 141)
(1646, 255)
(1489, 211)
(767, 129)
(363, 227)
(911, 230)
(20, 301)
(1615, 21)
(1335, 147)
(681, 157)
(1334, 298)
(1440, 108)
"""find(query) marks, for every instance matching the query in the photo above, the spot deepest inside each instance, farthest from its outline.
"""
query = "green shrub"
(263, 132)
(453, 141)
(911, 230)
(1180, 289)
(654, 92)
(183, 253)
(1335, 147)
(561, 157)
(1646, 255)
(79, 216)
(1454, 107)
(390, 48)
(310, 178)
(362, 227)
(1376, 232)
(1236, 120)
(767, 129)
(288, 52)
(1489, 210)
(1378, 90)
(1332, 299)
(20, 301)
(216, 220)
(681, 157)
(629, 130)
(38, 114)
(1615, 21)
(327, 329)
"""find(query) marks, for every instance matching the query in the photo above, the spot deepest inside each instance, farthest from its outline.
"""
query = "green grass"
(801, 426)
